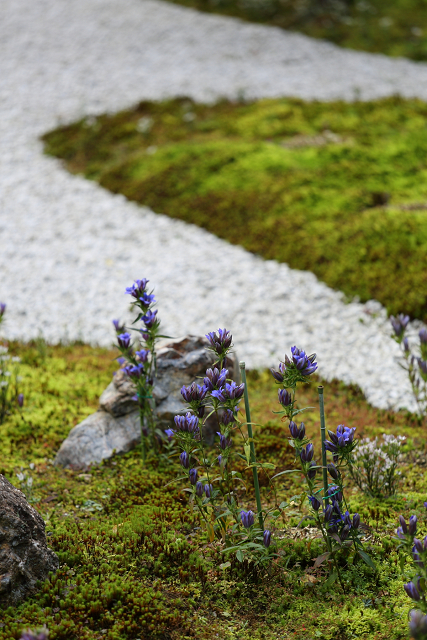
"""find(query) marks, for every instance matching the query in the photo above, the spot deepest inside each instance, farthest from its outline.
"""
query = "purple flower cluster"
(220, 342)
(341, 440)
(299, 363)
(187, 424)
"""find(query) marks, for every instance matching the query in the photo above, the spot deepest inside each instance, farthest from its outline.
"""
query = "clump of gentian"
(414, 359)
(339, 529)
(213, 488)
(138, 359)
(414, 548)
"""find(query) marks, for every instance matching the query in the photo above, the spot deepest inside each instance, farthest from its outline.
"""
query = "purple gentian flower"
(418, 625)
(277, 376)
(219, 395)
(193, 475)
(208, 490)
(142, 355)
(170, 434)
(304, 363)
(412, 526)
(307, 453)
(224, 442)
(20, 400)
(199, 489)
(327, 512)
(185, 459)
(315, 503)
(333, 471)
(227, 417)
(187, 424)
(312, 470)
(150, 318)
(220, 342)
(412, 591)
(137, 289)
(146, 299)
(215, 379)
(194, 393)
(118, 326)
(298, 433)
(285, 398)
(267, 538)
(356, 521)
(423, 335)
(334, 493)
(399, 323)
(2, 309)
(124, 340)
(403, 524)
(248, 518)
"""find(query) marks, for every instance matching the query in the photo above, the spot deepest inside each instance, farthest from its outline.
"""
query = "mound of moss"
(335, 188)
(135, 561)
(397, 28)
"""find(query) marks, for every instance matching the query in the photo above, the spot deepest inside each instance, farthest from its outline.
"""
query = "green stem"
(252, 446)
(323, 438)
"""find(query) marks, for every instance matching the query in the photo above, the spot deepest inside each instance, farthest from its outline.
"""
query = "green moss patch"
(397, 28)
(338, 189)
(135, 561)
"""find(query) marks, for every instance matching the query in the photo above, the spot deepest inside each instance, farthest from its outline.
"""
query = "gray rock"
(115, 426)
(24, 556)
(97, 438)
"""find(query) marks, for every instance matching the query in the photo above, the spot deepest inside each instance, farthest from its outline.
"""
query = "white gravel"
(69, 248)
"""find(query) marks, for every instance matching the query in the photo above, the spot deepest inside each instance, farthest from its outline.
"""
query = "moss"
(397, 29)
(338, 189)
(135, 561)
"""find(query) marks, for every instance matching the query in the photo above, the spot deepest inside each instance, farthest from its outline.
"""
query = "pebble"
(69, 248)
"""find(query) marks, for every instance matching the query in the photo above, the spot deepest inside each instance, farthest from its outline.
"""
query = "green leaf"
(239, 555)
(321, 559)
(286, 471)
(367, 559)
(247, 448)
(330, 581)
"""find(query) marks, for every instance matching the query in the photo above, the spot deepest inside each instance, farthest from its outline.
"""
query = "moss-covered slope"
(397, 28)
(339, 189)
(136, 562)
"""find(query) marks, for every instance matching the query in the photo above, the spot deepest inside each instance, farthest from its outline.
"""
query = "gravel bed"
(69, 248)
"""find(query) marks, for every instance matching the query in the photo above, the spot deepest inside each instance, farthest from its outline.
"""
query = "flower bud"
(356, 521)
(277, 376)
(403, 524)
(412, 526)
(193, 475)
(20, 399)
(208, 490)
(267, 538)
(285, 397)
(248, 518)
(124, 340)
(344, 532)
(293, 428)
(315, 503)
(185, 460)
(333, 471)
(199, 489)
(307, 453)
(311, 473)
(418, 546)
(412, 591)
(328, 512)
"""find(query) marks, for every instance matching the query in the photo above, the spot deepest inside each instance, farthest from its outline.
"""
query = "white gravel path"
(69, 248)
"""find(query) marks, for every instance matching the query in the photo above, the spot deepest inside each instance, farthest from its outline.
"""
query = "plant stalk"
(323, 438)
(252, 446)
